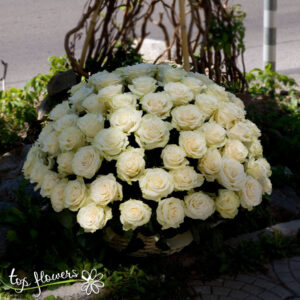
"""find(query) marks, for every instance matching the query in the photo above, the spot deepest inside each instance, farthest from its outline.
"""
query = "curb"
(290, 228)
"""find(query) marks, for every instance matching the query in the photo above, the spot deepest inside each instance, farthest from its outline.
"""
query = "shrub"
(17, 106)
(275, 110)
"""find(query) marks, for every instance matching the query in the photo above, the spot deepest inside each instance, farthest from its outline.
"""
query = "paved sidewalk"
(282, 282)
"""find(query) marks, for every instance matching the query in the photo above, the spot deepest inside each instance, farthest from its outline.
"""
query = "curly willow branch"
(213, 46)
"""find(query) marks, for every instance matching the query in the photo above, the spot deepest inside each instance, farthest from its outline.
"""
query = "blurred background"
(32, 30)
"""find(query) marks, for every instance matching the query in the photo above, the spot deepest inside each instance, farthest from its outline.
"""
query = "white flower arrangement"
(146, 140)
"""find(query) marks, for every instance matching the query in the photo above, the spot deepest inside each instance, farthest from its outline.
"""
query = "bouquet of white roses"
(149, 143)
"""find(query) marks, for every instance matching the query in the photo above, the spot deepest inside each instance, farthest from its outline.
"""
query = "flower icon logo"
(93, 282)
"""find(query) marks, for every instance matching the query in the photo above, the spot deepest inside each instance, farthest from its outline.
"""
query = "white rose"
(111, 142)
(169, 74)
(134, 213)
(155, 184)
(76, 87)
(65, 121)
(103, 79)
(231, 175)
(157, 103)
(266, 185)
(152, 132)
(199, 206)
(241, 131)
(236, 150)
(186, 178)
(215, 134)
(127, 119)
(38, 172)
(173, 157)
(130, 164)
(235, 100)
(207, 104)
(79, 96)
(227, 204)
(75, 194)
(33, 155)
(106, 94)
(57, 196)
(64, 161)
(179, 93)
(50, 180)
(170, 213)
(210, 164)
(45, 132)
(122, 100)
(59, 110)
(105, 189)
(187, 117)
(227, 113)
(92, 105)
(194, 84)
(144, 69)
(71, 138)
(90, 124)
(251, 193)
(193, 143)
(205, 79)
(255, 149)
(86, 162)
(93, 217)
(142, 85)
(255, 132)
(50, 143)
(258, 168)
(217, 91)
(161, 71)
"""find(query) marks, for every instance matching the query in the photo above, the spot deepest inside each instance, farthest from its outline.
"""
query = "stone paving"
(282, 282)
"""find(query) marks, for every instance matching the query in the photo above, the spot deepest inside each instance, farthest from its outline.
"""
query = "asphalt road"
(33, 30)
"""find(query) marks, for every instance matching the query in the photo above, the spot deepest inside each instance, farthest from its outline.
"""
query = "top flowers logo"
(93, 282)
(151, 142)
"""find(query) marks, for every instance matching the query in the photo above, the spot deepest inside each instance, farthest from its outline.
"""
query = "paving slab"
(281, 282)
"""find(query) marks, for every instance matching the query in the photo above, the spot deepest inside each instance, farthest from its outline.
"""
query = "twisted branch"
(108, 24)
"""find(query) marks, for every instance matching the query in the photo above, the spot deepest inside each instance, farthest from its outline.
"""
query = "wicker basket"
(176, 244)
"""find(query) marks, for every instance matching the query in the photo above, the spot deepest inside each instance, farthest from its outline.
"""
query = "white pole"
(184, 40)
(269, 48)
(2, 79)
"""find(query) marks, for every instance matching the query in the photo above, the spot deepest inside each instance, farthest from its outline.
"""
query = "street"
(33, 30)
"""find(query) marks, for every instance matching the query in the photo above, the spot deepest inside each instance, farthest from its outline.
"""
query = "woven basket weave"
(176, 243)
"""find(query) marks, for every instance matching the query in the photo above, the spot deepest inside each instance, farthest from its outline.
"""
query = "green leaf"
(11, 236)
(66, 218)
(33, 233)
(51, 297)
